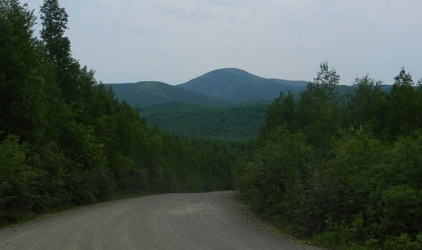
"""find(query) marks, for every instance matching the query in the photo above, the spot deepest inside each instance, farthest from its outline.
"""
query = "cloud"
(176, 40)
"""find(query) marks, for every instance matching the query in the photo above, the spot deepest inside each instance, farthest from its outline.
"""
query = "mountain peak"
(226, 74)
(235, 85)
(230, 70)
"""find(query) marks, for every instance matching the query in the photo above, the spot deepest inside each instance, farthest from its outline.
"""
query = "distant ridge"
(149, 93)
(220, 87)
(238, 86)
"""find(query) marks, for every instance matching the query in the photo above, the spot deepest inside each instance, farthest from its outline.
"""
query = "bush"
(403, 242)
(17, 181)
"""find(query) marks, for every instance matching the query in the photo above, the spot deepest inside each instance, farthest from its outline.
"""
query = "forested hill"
(240, 86)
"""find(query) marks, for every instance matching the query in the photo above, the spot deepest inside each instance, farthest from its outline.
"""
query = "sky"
(174, 41)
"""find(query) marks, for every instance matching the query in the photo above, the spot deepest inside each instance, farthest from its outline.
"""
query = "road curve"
(158, 222)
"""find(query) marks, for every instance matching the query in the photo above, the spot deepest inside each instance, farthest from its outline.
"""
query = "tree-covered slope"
(232, 123)
(145, 94)
(240, 86)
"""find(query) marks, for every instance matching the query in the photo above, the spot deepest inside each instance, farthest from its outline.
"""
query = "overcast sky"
(174, 41)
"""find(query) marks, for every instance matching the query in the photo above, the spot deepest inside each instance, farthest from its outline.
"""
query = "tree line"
(343, 170)
(66, 140)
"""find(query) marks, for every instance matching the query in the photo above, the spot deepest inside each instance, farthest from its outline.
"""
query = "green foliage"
(281, 111)
(403, 242)
(403, 106)
(318, 113)
(23, 108)
(344, 171)
(19, 182)
(54, 21)
(367, 105)
(345, 235)
(275, 173)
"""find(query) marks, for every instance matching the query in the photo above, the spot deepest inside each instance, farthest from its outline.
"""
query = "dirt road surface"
(158, 222)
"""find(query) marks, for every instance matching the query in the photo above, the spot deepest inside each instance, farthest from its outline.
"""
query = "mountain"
(240, 86)
(145, 94)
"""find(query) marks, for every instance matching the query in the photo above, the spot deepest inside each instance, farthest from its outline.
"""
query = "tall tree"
(54, 22)
(403, 110)
(419, 103)
(317, 109)
(367, 105)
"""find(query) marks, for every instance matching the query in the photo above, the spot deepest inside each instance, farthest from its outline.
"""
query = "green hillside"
(233, 123)
(145, 94)
(240, 86)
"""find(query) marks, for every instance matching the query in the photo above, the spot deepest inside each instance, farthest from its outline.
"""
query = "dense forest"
(66, 140)
(236, 123)
(344, 170)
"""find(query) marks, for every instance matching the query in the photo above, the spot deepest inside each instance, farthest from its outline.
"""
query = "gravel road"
(159, 222)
